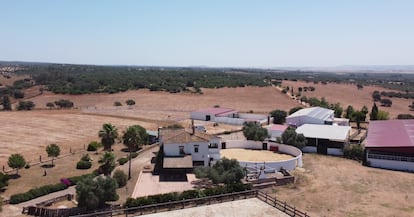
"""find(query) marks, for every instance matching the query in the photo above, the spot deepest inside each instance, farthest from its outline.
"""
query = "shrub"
(65, 182)
(74, 180)
(133, 155)
(120, 177)
(354, 152)
(36, 192)
(4, 178)
(85, 157)
(83, 165)
(94, 145)
(117, 103)
(122, 160)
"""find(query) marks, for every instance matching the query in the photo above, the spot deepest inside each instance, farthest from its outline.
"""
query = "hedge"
(44, 190)
(189, 194)
(134, 155)
(83, 165)
(122, 160)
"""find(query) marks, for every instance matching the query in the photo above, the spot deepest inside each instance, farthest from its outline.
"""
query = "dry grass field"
(253, 155)
(333, 186)
(348, 94)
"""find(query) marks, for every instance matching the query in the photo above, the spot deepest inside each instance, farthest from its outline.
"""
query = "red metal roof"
(278, 127)
(390, 133)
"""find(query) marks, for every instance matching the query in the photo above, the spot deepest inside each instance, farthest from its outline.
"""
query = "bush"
(189, 194)
(117, 103)
(94, 145)
(122, 160)
(27, 166)
(36, 192)
(354, 152)
(120, 177)
(83, 165)
(74, 180)
(133, 155)
(4, 178)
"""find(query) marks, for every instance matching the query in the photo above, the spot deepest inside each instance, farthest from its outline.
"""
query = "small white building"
(210, 114)
(325, 139)
(314, 115)
(275, 131)
(390, 145)
(183, 149)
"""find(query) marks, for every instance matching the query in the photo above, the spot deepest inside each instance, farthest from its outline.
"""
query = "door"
(223, 145)
(208, 117)
(264, 146)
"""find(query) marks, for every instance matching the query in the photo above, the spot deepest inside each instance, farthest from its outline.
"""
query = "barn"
(325, 139)
(390, 145)
(209, 114)
(314, 115)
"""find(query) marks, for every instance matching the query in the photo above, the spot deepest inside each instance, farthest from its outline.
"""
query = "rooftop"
(278, 127)
(183, 136)
(185, 161)
(315, 112)
(331, 132)
(390, 133)
(217, 111)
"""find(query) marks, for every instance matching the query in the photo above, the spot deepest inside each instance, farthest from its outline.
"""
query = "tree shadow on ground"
(47, 166)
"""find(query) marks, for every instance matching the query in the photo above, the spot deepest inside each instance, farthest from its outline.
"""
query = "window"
(196, 148)
(182, 150)
(213, 145)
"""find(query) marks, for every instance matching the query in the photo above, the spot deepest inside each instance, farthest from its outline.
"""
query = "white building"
(275, 131)
(183, 149)
(227, 116)
(390, 145)
(325, 139)
(314, 115)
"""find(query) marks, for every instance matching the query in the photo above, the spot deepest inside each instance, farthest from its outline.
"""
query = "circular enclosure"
(254, 155)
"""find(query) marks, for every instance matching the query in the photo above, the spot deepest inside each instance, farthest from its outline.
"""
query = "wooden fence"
(280, 205)
(175, 205)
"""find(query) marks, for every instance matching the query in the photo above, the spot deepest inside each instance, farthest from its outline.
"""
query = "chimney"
(268, 120)
(192, 126)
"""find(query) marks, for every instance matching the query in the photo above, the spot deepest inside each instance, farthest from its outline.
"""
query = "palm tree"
(108, 134)
(107, 162)
(133, 138)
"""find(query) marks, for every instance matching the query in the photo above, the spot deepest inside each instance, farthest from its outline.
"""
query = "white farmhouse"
(183, 149)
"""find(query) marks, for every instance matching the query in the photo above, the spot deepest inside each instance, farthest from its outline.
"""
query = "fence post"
(294, 211)
(266, 197)
(284, 207)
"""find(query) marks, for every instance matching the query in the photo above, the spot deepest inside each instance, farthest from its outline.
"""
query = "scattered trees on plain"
(53, 151)
(25, 105)
(107, 162)
(94, 193)
(386, 102)
(254, 132)
(64, 103)
(16, 161)
(279, 116)
(108, 135)
(130, 102)
(290, 137)
(223, 171)
(6, 104)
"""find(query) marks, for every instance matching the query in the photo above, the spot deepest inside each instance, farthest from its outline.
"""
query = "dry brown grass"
(333, 186)
(348, 94)
(253, 155)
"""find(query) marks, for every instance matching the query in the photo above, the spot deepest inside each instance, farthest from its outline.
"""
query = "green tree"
(348, 112)
(107, 162)
(6, 103)
(53, 151)
(411, 106)
(383, 115)
(50, 105)
(376, 96)
(64, 103)
(25, 105)
(405, 116)
(374, 112)
(254, 132)
(295, 109)
(108, 134)
(290, 137)
(130, 102)
(364, 110)
(120, 177)
(386, 102)
(4, 178)
(337, 110)
(279, 116)
(224, 171)
(93, 194)
(16, 161)
(358, 116)
(133, 138)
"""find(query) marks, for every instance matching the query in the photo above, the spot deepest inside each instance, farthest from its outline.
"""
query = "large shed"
(390, 144)
(325, 139)
(209, 114)
(314, 115)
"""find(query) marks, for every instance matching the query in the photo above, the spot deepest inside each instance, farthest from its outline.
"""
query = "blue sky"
(227, 33)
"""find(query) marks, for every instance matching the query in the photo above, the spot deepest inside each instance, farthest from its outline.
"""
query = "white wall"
(290, 164)
(227, 120)
(335, 152)
(202, 155)
(390, 164)
(200, 116)
(309, 149)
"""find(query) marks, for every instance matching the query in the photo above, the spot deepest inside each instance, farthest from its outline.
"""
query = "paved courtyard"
(149, 184)
(252, 207)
